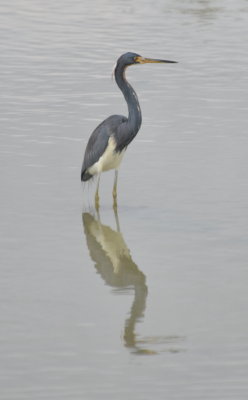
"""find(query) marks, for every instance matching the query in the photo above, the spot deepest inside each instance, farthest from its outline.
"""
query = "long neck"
(134, 113)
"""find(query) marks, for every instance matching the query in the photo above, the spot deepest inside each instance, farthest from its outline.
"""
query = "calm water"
(150, 302)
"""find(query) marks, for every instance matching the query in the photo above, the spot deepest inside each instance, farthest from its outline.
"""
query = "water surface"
(150, 302)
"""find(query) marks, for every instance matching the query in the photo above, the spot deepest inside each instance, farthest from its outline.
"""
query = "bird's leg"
(117, 219)
(97, 198)
(115, 189)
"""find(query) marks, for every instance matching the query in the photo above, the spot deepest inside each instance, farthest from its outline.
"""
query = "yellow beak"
(142, 60)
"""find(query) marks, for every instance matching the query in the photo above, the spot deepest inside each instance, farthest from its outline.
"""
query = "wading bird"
(108, 142)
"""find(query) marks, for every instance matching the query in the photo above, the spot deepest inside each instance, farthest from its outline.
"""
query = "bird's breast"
(110, 159)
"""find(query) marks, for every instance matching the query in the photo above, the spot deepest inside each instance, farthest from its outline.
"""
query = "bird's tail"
(85, 175)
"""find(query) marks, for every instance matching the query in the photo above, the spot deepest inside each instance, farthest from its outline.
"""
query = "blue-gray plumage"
(108, 142)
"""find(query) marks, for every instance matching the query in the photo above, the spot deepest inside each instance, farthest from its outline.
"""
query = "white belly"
(109, 160)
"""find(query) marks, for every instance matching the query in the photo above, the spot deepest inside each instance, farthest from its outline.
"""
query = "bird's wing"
(98, 140)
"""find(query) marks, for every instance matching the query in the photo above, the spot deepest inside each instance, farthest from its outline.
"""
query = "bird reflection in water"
(113, 261)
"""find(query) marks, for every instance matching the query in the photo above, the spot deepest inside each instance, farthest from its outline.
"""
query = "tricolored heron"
(108, 142)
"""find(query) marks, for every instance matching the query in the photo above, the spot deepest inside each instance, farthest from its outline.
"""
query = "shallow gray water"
(151, 302)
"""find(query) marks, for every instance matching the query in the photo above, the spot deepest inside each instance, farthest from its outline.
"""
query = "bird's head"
(133, 58)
